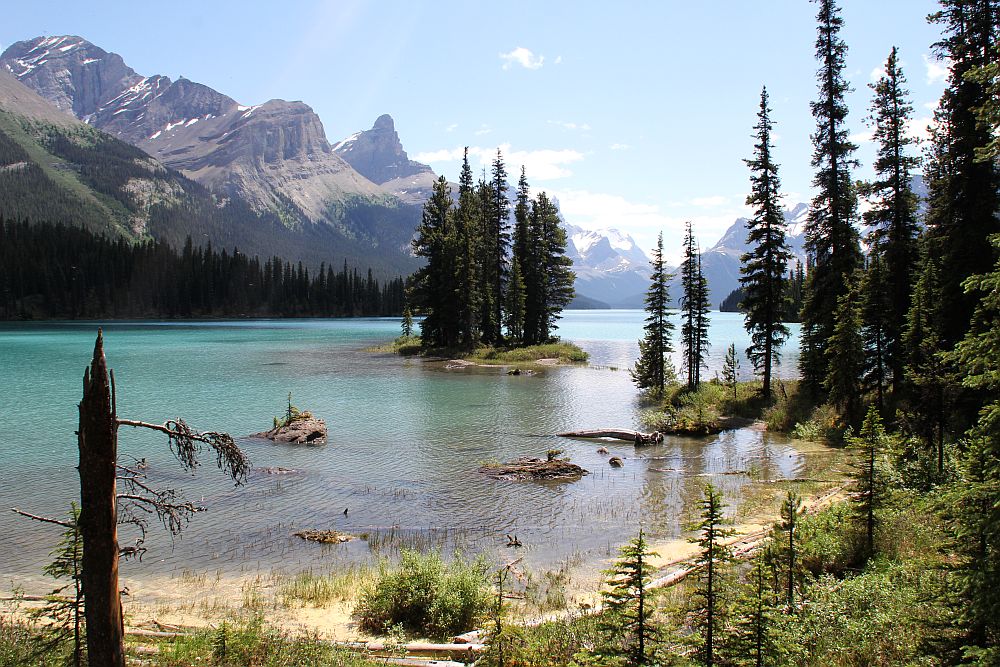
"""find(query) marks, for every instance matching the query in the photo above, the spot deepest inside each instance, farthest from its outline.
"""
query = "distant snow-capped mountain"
(721, 262)
(609, 266)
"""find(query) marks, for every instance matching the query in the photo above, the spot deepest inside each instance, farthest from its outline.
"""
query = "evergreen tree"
(628, 610)
(555, 267)
(978, 520)
(763, 267)
(831, 237)
(868, 490)
(963, 217)
(524, 260)
(927, 372)
(694, 311)
(435, 284)
(876, 316)
(652, 369)
(514, 308)
(407, 324)
(497, 240)
(731, 370)
(467, 227)
(893, 219)
(791, 506)
(712, 557)
(66, 610)
(846, 357)
(754, 634)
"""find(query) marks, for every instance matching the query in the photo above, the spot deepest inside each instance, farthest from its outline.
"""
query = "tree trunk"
(98, 443)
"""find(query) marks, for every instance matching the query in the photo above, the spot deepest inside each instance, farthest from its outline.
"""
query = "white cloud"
(523, 57)
(483, 129)
(451, 128)
(540, 165)
(863, 137)
(937, 70)
(558, 60)
(620, 147)
(709, 202)
(920, 128)
(877, 73)
(570, 126)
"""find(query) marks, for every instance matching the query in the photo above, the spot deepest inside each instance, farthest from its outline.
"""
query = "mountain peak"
(384, 122)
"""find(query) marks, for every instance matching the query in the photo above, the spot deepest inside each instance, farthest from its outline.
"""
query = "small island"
(530, 468)
(297, 427)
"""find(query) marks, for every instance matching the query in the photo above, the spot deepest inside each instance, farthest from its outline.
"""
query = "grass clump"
(404, 346)
(425, 595)
(319, 590)
(566, 353)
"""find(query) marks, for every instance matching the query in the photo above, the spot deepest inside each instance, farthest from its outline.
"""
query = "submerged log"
(324, 536)
(637, 437)
(532, 468)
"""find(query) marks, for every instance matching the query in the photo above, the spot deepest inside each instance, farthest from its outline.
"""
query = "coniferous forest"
(59, 272)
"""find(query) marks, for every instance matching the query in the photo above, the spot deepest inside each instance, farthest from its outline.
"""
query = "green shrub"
(425, 595)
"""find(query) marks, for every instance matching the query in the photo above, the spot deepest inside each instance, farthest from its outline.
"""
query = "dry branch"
(186, 444)
(43, 519)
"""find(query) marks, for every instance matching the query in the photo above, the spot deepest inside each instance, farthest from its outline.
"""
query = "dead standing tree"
(101, 501)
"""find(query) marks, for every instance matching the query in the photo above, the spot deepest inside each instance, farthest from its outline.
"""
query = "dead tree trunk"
(98, 442)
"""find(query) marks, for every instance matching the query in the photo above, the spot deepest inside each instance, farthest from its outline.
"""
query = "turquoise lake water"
(406, 438)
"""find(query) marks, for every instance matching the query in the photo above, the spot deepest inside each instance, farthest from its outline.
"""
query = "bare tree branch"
(184, 443)
(44, 519)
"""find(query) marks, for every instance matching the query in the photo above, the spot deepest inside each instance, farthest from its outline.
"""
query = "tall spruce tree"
(712, 557)
(554, 267)
(496, 236)
(652, 369)
(467, 227)
(868, 489)
(522, 259)
(694, 311)
(763, 266)
(831, 238)
(434, 284)
(963, 217)
(876, 313)
(893, 220)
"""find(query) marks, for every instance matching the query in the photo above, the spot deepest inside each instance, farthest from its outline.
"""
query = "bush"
(823, 425)
(425, 595)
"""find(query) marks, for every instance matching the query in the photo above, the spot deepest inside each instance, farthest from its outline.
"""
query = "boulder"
(309, 431)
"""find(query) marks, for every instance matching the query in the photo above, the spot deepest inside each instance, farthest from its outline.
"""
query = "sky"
(634, 115)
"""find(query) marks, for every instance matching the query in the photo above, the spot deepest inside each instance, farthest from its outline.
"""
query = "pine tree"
(555, 267)
(868, 490)
(514, 307)
(763, 267)
(66, 611)
(876, 316)
(927, 372)
(468, 225)
(831, 237)
(791, 506)
(694, 311)
(962, 219)
(407, 324)
(978, 522)
(496, 235)
(846, 358)
(652, 368)
(711, 559)
(893, 219)
(731, 370)
(521, 258)
(628, 610)
(754, 633)
(435, 284)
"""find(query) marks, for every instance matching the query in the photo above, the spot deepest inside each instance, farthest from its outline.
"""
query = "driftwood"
(532, 468)
(637, 437)
(416, 648)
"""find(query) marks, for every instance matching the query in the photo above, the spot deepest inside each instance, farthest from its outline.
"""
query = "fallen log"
(636, 437)
(415, 647)
(526, 468)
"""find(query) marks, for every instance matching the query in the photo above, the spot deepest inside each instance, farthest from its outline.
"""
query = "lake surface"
(406, 438)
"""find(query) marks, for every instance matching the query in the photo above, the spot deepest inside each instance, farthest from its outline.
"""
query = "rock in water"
(309, 431)
(532, 468)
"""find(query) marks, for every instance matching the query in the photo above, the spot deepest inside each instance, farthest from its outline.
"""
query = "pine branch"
(43, 519)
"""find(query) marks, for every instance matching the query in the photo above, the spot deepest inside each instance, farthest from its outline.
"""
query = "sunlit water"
(406, 438)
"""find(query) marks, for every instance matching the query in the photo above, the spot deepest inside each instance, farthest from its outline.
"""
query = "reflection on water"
(406, 438)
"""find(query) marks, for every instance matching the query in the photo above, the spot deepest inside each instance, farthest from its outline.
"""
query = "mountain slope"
(378, 155)
(56, 169)
(609, 266)
(273, 158)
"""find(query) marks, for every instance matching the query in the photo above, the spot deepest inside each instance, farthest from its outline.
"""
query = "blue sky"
(636, 115)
